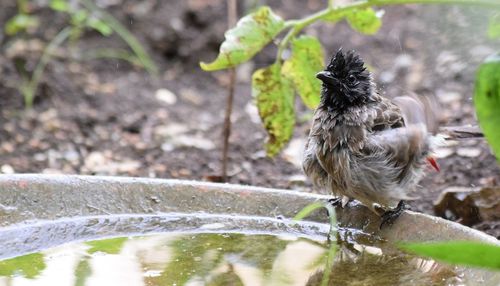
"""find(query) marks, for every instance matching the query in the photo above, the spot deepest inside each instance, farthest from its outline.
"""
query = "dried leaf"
(275, 100)
(250, 35)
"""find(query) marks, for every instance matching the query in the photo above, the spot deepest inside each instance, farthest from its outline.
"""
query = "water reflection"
(216, 259)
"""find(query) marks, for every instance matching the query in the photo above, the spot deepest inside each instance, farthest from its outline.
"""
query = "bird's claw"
(390, 216)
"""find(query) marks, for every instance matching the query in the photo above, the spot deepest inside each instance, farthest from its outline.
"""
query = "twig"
(461, 132)
(231, 20)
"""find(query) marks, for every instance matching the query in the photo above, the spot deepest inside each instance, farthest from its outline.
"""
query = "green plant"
(85, 15)
(273, 87)
(332, 248)
(487, 100)
(467, 253)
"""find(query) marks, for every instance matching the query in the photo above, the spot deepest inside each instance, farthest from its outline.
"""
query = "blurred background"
(98, 111)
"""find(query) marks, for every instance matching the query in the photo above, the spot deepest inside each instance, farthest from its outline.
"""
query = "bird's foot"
(339, 201)
(390, 216)
(335, 202)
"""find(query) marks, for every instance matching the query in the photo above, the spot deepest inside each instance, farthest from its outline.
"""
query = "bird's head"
(346, 82)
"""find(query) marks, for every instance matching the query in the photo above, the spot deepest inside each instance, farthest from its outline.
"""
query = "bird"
(362, 145)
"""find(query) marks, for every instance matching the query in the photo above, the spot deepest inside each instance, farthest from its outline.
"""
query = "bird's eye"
(351, 78)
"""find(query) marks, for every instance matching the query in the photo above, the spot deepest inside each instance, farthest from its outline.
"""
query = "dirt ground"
(108, 117)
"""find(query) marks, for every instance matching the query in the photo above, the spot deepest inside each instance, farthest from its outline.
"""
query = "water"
(214, 259)
(206, 249)
(217, 259)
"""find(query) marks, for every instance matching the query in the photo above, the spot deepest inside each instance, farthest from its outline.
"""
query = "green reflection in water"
(28, 266)
(109, 246)
(82, 272)
(200, 254)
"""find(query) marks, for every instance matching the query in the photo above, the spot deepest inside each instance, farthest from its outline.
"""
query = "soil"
(109, 117)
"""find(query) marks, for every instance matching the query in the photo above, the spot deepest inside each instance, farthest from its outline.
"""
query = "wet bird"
(362, 145)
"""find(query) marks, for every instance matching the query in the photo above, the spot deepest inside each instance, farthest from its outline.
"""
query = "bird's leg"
(390, 216)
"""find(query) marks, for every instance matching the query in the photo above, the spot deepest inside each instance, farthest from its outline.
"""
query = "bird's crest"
(341, 63)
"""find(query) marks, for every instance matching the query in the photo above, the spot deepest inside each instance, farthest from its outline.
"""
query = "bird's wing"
(399, 134)
(419, 110)
(386, 115)
(311, 165)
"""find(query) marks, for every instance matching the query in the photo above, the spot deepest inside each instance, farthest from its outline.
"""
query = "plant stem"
(231, 19)
(134, 44)
(29, 89)
(298, 25)
(111, 53)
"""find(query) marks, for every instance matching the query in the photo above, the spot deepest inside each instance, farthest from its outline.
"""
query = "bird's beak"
(433, 163)
(326, 77)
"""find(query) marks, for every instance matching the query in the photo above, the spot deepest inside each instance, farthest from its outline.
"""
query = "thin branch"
(298, 25)
(461, 132)
(231, 19)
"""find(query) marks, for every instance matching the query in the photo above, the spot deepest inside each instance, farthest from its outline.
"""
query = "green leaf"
(494, 26)
(59, 5)
(301, 67)
(109, 246)
(20, 22)
(365, 21)
(307, 210)
(487, 101)
(99, 26)
(458, 252)
(250, 35)
(30, 265)
(275, 101)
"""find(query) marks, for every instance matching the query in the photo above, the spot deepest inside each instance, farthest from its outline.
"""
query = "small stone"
(446, 96)
(71, 156)
(387, 76)
(40, 157)
(293, 152)
(127, 166)
(170, 130)
(155, 199)
(469, 152)
(253, 112)
(7, 147)
(259, 155)
(443, 152)
(191, 95)
(185, 172)
(403, 61)
(167, 147)
(7, 169)
(166, 96)
(51, 171)
(192, 141)
(94, 160)
(244, 72)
